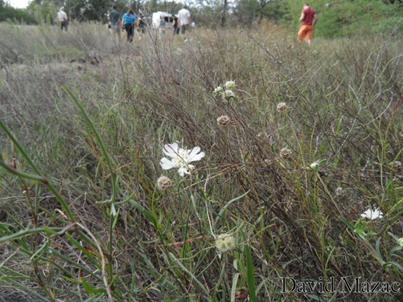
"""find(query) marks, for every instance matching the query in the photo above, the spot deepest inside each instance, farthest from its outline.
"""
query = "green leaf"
(233, 288)
(145, 212)
(228, 204)
(347, 223)
(199, 284)
(394, 264)
(250, 272)
(92, 289)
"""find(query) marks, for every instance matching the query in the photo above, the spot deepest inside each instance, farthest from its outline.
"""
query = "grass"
(84, 123)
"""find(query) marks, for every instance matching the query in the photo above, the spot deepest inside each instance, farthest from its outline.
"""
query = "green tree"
(11, 14)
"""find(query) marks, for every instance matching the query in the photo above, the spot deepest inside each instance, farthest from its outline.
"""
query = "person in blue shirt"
(129, 20)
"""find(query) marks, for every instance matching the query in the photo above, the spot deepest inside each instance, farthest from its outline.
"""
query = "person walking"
(308, 20)
(128, 23)
(142, 22)
(175, 24)
(62, 17)
(114, 19)
(184, 19)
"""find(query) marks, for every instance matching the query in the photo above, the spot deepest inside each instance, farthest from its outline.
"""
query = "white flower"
(229, 84)
(281, 107)
(400, 241)
(218, 90)
(164, 182)
(372, 214)
(228, 94)
(225, 242)
(285, 153)
(180, 158)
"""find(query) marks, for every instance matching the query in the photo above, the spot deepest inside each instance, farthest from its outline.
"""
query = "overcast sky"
(18, 3)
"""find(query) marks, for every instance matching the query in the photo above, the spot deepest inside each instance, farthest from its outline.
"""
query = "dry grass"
(343, 100)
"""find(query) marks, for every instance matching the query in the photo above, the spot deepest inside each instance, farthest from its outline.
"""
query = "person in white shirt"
(184, 19)
(62, 18)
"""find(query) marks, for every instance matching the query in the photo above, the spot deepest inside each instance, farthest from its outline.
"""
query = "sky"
(18, 3)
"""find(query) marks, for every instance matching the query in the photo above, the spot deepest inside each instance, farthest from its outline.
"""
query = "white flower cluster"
(225, 242)
(225, 91)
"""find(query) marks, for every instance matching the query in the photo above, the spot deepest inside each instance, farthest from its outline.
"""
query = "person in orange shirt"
(308, 19)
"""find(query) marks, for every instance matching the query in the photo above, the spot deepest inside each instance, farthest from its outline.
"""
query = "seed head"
(281, 107)
(223, 120)
(339, 191)
(164, 183)
(285, 153)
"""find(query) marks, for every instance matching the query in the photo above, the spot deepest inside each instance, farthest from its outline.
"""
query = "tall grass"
(84, 123)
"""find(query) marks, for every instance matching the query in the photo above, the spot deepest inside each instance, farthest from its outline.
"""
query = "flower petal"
(193, 156)
(167, 164)
(182, 171)
(171, 150)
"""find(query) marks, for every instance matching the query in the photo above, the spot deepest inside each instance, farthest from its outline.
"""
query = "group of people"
(128, 22)
(182, 23)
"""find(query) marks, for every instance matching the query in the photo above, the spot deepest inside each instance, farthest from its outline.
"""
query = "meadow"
(282, 172)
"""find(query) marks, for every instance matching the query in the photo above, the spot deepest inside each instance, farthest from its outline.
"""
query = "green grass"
(82, 218)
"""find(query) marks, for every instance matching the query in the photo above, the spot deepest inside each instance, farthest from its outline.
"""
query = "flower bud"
(229, 84)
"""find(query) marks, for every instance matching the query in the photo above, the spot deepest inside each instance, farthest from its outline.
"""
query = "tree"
(224, 13)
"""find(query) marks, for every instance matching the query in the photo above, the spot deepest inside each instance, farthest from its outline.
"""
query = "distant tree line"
(336, 17)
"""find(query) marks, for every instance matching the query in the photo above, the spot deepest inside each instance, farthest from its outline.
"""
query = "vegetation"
(298, 144)
(336, 18)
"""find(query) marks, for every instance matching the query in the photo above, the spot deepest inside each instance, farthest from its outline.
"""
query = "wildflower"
(229, 84)
(372, 214)
(225, 242)
(400, 241)
(228, 94)
(314, 166)
(223, 120)
(281, 107)
(395, 164)
(164, 182)
(180, 158)
(285, 153)
(218, 90)
(339, 191)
